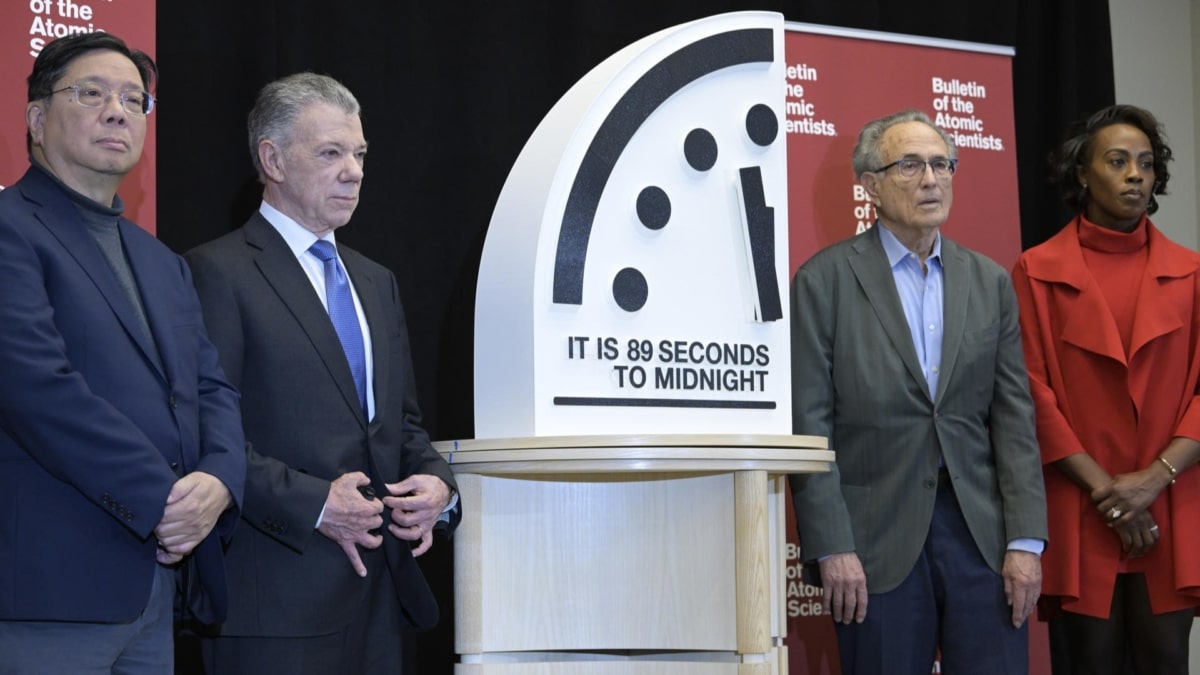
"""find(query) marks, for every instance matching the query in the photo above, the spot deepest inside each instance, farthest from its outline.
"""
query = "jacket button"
(174, 403)
(930, 483)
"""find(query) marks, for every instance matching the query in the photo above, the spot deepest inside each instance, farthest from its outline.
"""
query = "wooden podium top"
(686, 453)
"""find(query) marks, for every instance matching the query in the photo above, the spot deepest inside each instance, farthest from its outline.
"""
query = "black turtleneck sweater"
(101, 222)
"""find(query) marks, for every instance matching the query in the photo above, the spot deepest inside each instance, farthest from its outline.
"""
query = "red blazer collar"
(1060, 258)
(1060, 261)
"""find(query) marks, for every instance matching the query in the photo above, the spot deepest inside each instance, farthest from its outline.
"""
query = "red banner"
(837, 81)
(25, 27)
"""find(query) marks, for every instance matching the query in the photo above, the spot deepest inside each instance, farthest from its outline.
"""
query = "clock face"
(658, 282)
(669, 119)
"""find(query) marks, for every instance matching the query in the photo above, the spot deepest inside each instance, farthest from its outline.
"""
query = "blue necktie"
(345, 320)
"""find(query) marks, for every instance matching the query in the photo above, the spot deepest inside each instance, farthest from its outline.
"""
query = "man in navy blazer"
(313, 334)
(121, 446)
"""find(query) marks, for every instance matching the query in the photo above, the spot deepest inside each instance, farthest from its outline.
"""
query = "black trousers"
(1131, 641)
(372, 644)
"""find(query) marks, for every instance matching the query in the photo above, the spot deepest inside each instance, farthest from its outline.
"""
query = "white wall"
(1155, 64)
(1156, 60)
(1196, 111)
(1196, 94)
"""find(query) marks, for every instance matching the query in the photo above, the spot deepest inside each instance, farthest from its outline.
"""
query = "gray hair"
(867, 155)
(281, 101)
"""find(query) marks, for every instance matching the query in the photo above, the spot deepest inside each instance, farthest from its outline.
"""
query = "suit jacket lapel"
(1087, 321)
(875, 278)
(62, 220)
(1167, 284)
(158, 313)
(956, 270)
(284, 274)
(370, 297)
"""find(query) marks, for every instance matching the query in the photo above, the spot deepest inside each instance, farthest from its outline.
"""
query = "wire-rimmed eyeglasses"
(93, 95)
(910, 168)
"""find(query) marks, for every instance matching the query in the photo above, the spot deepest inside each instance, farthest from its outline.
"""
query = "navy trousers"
(951, 600)
(143, 646)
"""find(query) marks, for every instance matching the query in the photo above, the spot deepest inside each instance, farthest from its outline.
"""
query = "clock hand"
(758, 222)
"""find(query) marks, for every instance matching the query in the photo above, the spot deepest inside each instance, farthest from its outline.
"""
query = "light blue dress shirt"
(921, 294)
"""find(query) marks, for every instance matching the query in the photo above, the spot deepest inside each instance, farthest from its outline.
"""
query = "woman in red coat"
(1110, 322)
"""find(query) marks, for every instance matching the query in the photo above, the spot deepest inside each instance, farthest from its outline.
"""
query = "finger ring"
(1154, 528)
(1115, 513)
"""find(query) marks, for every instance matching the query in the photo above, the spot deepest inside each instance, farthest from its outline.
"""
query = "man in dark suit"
(314, 336)
(121, 447)
(906, 350)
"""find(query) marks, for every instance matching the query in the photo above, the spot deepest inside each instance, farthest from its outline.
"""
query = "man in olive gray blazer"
(907, 356)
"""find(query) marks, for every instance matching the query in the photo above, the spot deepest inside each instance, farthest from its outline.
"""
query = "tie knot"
(323, 250)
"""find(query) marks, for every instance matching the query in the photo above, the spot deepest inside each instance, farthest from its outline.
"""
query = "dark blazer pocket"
(989, 334)
(184, 319)
(186, 326)
(974, 375)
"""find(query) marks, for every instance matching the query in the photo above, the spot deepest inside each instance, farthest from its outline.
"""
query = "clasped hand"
(349, 518)
(1123, 504)
(194, 504)
(416, 503)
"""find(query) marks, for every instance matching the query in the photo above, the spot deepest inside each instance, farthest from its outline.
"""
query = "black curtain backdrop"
(451, 91)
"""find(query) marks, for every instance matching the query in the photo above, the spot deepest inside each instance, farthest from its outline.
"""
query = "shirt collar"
(298, 239)
(896, 251)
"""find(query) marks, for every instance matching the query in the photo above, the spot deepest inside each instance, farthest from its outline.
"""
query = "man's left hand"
(416, 502)
(1022, 583)
(194, 504)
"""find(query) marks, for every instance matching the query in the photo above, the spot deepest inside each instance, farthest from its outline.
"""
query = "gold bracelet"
(1169, 468)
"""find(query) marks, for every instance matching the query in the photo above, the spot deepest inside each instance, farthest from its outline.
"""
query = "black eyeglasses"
(93, 95)
(910, 168)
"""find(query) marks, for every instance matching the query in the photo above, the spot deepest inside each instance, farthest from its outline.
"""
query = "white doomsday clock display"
(634, 276)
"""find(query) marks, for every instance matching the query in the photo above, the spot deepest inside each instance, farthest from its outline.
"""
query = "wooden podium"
(600, 555)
